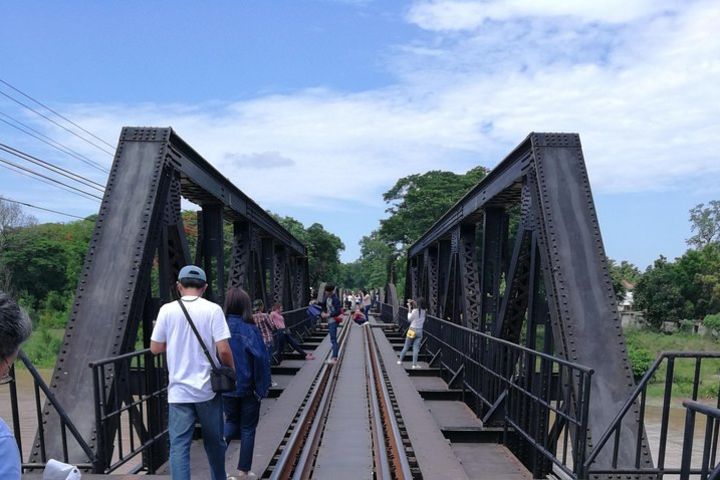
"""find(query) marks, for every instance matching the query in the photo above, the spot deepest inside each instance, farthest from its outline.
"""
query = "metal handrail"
(641, 385)
(500, 380)
(52, 400)
(512, 345)
(708, 467)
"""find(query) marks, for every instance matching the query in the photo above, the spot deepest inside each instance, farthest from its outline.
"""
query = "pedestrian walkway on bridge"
(346, 449)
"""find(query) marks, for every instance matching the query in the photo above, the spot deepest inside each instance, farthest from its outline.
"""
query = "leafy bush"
(712, 321)
(686, 326)
(55, 309)
(640, 359)
(42, 347)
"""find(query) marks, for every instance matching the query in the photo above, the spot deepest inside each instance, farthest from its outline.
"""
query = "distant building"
(629, 317)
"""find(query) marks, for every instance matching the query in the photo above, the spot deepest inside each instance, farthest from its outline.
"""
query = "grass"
(43, 346)
(684, 369)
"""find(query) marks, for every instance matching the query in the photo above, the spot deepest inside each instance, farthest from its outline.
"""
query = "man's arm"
(157, 347)
(225, 354)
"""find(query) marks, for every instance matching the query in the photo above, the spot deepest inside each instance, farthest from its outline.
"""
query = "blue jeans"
(332, 328)
(415, 342)
(286, 338)
(181, 425)
(241, 419)
(367, 313)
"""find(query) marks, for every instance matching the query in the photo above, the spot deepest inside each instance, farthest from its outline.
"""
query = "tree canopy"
(705, 221)
(418, 200)
(323, 248)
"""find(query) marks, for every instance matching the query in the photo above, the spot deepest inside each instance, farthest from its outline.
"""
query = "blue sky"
(315, 108)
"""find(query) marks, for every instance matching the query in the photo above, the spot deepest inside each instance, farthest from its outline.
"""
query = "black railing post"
(667, 397)
(15, 409)
(100, 463)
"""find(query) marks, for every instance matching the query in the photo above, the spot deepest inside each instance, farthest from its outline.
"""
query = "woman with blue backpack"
(252, 367)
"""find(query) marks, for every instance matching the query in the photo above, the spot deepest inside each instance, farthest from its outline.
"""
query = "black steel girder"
(139, 228)
(535, 213)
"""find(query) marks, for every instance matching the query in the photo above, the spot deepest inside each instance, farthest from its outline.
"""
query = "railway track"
(296, 456)
(390, 442)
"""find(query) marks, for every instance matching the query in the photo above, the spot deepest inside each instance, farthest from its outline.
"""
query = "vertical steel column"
(443, 262)
(469, 279)
(267, 255)
(279, 274)
(213, 255)
(238, 276)
(495, 229)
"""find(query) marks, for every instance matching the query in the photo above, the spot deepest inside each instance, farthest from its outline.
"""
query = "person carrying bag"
(222, 378)
(414, 335)
(193, 383)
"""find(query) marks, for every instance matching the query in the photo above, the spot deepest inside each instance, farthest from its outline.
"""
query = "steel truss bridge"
(523, 329)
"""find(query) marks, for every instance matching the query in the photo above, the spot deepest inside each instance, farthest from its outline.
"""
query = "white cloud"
(457, 15)
(643, 95)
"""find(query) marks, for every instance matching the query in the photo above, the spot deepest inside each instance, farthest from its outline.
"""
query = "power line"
(52, 167)
(7, 162)
(53, 143)
(55, 112)
(25, 174)
(56, 123)
(5, 199)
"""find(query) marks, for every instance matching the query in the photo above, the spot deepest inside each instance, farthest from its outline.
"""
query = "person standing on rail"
(332, 310)
(252, 364)
(190, 395)
(15, 328)
(284, 335)
(416, 317)
(366, 301)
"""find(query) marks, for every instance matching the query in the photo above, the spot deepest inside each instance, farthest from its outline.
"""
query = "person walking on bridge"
(252, 364)
(15, 328)
(366, 302)
(190, 395)
(331, 310)
(416, 317)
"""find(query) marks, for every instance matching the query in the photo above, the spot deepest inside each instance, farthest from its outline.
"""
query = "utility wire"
(7, 162)
(56, 123)
(55, 112)
(42, 180)
(53, 143)
(52, 167)
(5, 199)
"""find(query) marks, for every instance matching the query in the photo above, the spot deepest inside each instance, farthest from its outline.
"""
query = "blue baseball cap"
(191, 271)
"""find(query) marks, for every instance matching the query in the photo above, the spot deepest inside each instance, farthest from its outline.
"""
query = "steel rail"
(392, 461)
(298, 456)
(380, 448)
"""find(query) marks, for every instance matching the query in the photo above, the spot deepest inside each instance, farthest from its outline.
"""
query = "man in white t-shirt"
(190, 395)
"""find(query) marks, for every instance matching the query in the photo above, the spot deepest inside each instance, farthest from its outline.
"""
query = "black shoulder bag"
(222, 378)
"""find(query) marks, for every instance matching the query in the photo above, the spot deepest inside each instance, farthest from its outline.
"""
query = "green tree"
(623, 271)
(374, 257)
(658, 293)
(418, 200)
(705, 221)
(323, 254)
(688, 288)
(12, 217)
(47, 258)
(323, 249)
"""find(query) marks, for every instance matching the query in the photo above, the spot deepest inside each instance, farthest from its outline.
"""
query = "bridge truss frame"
(521, 255)
(136, 251)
